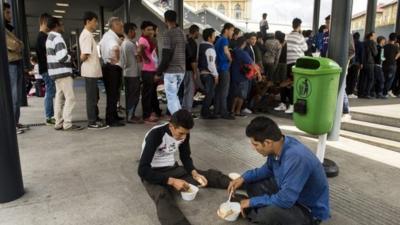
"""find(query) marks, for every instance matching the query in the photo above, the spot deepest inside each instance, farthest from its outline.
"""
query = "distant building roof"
(379, 9)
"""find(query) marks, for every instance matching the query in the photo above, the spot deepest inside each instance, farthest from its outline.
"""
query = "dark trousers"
(389, 73)
(132, 95)
(92, 99)
(209, 90)
(163, 196)
(379, 81)
(367, 80)
(352, 77)
(150, 102)
(112, 77)
(221, 93)
(39, 84)
(287, 95)
(396, 81)
(273, 215)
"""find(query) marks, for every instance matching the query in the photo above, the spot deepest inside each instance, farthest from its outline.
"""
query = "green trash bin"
(316, 85)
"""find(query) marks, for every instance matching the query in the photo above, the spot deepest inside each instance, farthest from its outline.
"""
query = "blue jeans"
(390, 74)
(49, 96)
(16, 86)
(172, 82)
(346, 105)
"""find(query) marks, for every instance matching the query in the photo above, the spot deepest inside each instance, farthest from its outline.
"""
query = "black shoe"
(194, 116)
(116, 124)
(228, 117)
(241, 115)
(370, 97)
(74, 128)
(98, 126)
(381, 97)
(210, 117)
(119, 118)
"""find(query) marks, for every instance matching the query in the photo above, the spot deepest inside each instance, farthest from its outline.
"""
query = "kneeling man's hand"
(200, 178)
(178, 184)
(244, 204)
(235, 184)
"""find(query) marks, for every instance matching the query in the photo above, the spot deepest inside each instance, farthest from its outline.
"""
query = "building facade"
(235, 9)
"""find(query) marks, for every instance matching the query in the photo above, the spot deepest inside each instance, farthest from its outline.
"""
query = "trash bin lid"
(316, 66)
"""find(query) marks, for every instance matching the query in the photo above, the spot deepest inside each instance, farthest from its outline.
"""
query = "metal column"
(338, 51)
(398, 18)
(317, 9)
(12, 186)
(127, 8)
(178, 7)
(371, 16)
(102, 24)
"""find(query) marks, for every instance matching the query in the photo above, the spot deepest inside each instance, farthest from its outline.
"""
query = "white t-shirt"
(36, 72)
(91, 66)
(108, 44)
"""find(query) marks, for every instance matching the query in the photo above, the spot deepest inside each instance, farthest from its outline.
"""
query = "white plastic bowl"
(189, 196)
(235, 207)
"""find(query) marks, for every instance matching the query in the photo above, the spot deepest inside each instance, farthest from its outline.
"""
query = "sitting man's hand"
(235, 184)
(178, 184)
(199, 178)
(244, 204)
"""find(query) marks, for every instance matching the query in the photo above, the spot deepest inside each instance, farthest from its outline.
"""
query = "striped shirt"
(296, 46)
(58, 60)
(174, 39)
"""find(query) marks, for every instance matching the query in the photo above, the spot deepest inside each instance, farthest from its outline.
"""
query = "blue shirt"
(300, 178)
(222, 59)
(240, 58)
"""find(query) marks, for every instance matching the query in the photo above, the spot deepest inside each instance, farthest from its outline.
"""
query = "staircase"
(379, 130)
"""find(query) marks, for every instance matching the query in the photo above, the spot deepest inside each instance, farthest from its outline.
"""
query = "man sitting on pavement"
(161, 173)
(290, 188)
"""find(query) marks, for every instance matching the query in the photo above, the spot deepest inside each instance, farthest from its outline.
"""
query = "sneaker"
(74, 128)
(58, 127)
(247, 111)
(391, 94)
(281, 107)
(116, 124)
(290, 110)
(241, 115)
(19, 131)
(50, 121)
(23, 127)
(194, 116)
(346, 117)
(135, 120)
(228, 117)
(352, 96)
(98, 126)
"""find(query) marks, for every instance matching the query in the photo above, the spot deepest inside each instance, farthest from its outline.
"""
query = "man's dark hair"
(53, 22)
(280, 36)
(6, 6)
(170, 16)
(155, 26)
(34, 58)
(182, 118)
(259, 35)
(146, 24)
(128, 27)
(264, 15)
(89, 16)
(369, 35)
(44, 18)
(236, 31)
(380, 38)
(321, 28)
(240, 41)
(193, 29)
(227, 26)
(328, 17)
(250, 35)
(207, 33)
(392, 37)
(307, 33)
(356, 36)
(296, 23)
(263, 128)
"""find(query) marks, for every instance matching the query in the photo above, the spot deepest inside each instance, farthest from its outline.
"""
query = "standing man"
(42, 62)
(131, 73)
(91, 70)
(59, 67)
(224, 60)
(367, 80)
(264, 26)
(148, 57)
(392, 53)
(14, 51)
(191, 68)
(112, 71)
(290, 188)
(173, 62)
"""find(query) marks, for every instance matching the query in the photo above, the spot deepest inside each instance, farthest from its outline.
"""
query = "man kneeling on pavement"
(291, 188)
(161, 174)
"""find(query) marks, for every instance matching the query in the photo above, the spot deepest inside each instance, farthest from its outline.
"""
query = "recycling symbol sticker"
(303, 87)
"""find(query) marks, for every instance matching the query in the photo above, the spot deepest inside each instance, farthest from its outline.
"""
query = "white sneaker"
(247, 111)
(281, 107)
(391, 94)
(352, 96)
(290, 110)
(346, 117)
